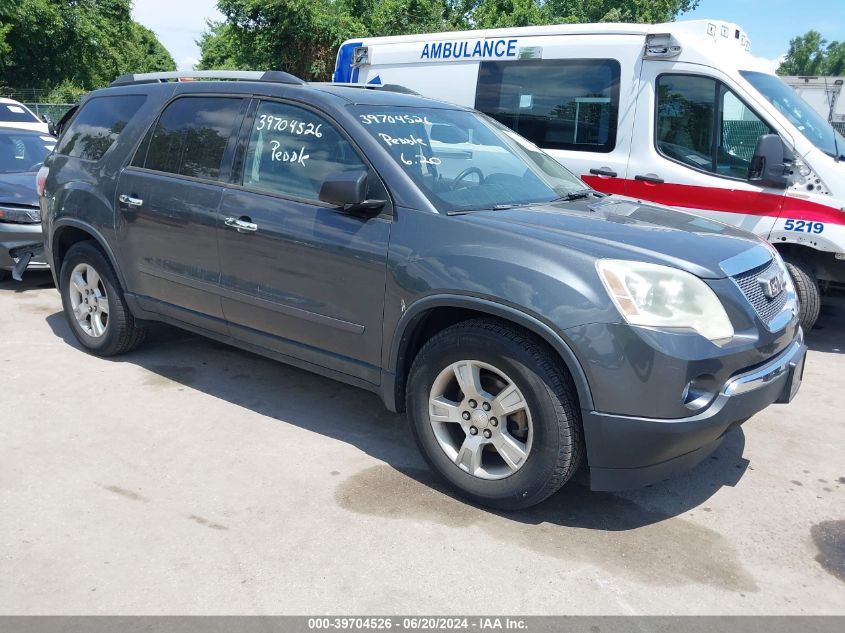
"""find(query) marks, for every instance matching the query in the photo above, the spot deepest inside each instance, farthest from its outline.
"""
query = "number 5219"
(803, 225)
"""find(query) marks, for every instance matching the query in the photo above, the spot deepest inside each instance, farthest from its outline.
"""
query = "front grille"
(766, 308)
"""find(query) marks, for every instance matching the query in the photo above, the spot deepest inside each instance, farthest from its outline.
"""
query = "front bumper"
(16, 235)
(630, 452)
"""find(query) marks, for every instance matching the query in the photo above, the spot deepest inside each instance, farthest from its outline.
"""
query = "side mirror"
(348, 191)
(771, 163)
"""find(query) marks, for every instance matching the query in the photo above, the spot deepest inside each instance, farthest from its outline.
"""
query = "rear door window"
(191, 137)
(97, 125)
(568, 104)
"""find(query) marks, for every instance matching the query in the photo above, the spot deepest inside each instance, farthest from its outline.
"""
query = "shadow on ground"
(827, 335)
(358, 417)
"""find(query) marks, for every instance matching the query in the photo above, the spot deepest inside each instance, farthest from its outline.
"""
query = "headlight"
(663, 297)
(21, 215)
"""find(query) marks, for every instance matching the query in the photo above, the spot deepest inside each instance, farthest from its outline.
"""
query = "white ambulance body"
(670, 113)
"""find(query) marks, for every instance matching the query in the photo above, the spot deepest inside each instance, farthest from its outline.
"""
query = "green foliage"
(64, 92)
(302, 36)
(811, 54)
(74, 44)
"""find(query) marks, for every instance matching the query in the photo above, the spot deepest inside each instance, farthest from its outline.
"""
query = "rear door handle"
(242, 225)
(130, 201)
(604, 171)
(654, 179)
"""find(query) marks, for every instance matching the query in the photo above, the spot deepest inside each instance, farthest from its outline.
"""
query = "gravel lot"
(189, 477)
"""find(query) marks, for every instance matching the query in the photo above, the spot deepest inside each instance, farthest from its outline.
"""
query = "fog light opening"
(699, 392)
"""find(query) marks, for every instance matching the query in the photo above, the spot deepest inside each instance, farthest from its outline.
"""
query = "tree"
(82, 44)
(299, 36)
(302, 36)
(806, 55)
(834, 62)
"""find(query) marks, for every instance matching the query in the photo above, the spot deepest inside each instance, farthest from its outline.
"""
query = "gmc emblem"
(772, 284)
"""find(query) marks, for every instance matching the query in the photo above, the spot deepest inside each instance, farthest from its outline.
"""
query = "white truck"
(679, 113)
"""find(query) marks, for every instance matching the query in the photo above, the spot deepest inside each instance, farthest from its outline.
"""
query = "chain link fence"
(37, 100)
(839, 126)
(53, 111)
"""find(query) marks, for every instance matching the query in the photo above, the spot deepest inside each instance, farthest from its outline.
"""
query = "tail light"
(41, 179)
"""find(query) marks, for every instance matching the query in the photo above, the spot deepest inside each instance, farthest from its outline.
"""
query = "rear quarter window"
(97, 125)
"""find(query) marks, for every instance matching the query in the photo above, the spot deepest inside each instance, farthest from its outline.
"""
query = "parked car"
(17, 115)
(423, 251)
(21, 154)
(673, 113)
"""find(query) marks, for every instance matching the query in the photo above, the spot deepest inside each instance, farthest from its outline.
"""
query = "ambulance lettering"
(467, 49)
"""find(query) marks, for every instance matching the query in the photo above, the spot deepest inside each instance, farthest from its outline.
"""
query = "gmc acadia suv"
(526, 323)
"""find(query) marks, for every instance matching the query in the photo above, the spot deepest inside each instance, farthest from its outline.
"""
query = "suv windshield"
(23, 151)
(465, 161)
(812, 125)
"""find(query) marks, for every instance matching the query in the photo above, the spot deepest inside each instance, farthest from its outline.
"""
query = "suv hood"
(625, 228)
(18, 188)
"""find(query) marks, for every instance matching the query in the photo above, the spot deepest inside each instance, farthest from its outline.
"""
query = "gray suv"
(527, 324)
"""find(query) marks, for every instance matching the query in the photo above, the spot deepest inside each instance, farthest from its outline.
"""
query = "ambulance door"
(695, 137)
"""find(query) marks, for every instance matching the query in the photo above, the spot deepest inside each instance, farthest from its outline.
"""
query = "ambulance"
(680, 114)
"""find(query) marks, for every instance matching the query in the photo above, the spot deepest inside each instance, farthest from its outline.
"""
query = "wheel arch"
(432, 314)
(70, 231)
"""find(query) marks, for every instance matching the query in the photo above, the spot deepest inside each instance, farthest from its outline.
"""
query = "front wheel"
(807, 289)
(494, 413)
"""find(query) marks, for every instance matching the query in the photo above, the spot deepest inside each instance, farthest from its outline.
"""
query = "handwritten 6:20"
(292, 126)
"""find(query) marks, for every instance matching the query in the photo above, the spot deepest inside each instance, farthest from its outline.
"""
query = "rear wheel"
(807, 288)
(94, 304)
(494, 413)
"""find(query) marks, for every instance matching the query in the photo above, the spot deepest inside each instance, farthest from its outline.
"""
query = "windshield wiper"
(495, 207)
(575, 195)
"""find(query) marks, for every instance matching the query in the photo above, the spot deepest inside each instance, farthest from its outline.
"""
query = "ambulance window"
(701, 123)
(740, 130)
(685, 106)
(555, 103)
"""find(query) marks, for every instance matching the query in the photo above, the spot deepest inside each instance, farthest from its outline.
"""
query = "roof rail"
(276, 76)
(387, 87)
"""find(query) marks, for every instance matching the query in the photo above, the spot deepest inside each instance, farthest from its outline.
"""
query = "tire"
(807, 288)
(547, 427)
(115, 331)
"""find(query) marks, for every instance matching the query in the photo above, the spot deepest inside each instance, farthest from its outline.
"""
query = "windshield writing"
(464, 161)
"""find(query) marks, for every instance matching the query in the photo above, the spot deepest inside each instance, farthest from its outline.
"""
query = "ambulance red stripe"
(715, 199)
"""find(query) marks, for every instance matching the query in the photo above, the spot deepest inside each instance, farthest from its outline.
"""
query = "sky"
(769, 23)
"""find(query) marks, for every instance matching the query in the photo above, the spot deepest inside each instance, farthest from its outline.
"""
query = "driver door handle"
(242, 224)
(130, 201)
(652, 179)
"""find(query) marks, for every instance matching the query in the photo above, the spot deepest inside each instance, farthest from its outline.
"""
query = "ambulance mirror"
(771, 165)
